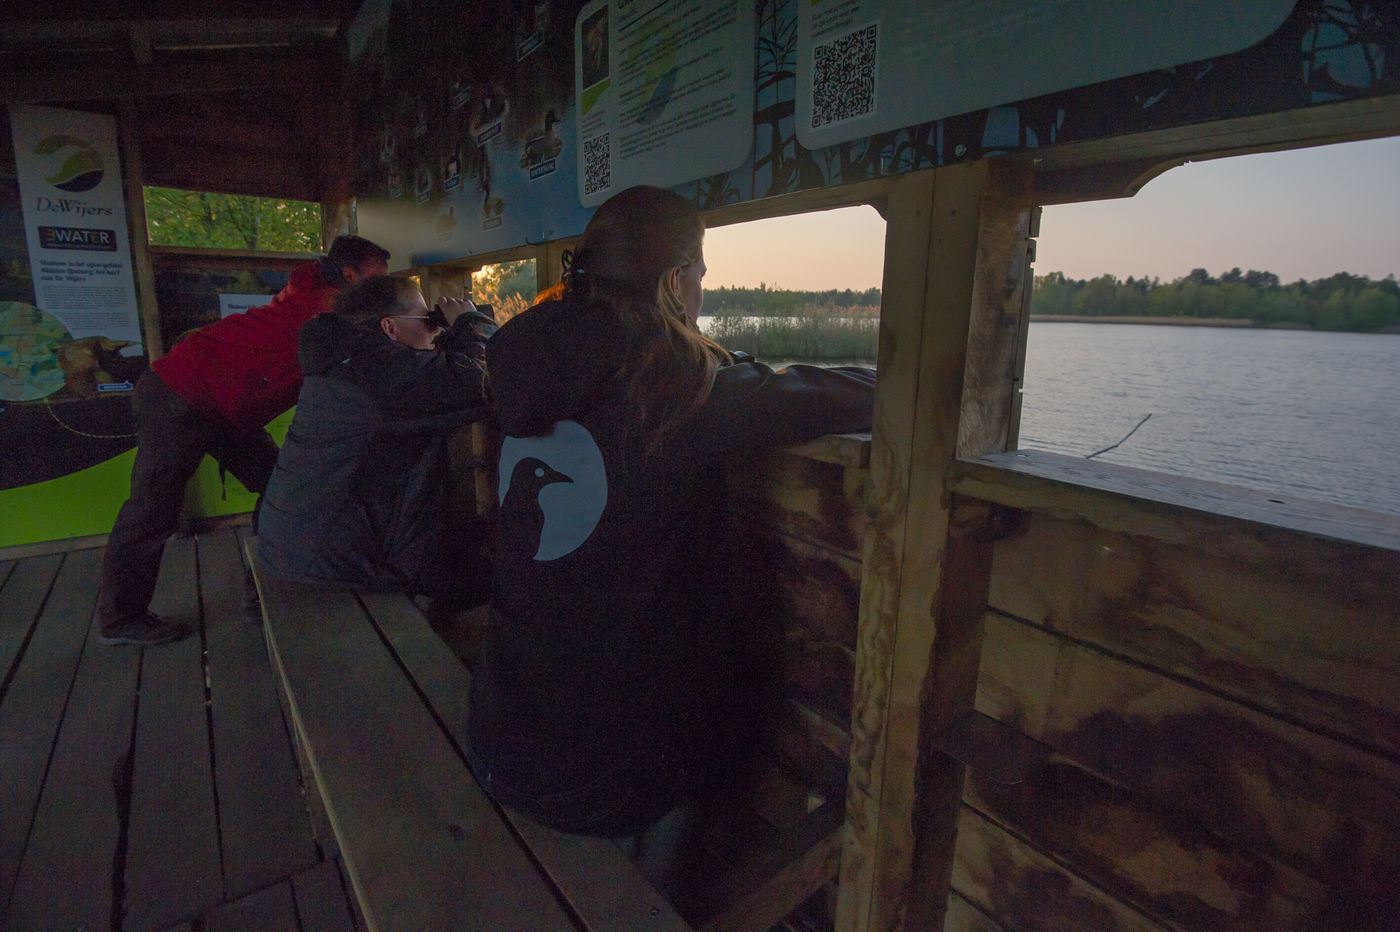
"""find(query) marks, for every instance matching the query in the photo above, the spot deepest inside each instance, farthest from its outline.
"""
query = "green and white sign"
(857, 59)
(70, 184)
(664, 91)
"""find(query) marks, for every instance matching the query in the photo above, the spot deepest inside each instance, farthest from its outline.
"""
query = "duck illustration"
(544, 147)
(92, 361)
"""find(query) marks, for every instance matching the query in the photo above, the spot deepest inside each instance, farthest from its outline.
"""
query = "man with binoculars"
(362, 493)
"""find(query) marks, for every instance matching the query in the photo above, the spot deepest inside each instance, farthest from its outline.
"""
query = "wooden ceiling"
(51, 50)
(238, 97)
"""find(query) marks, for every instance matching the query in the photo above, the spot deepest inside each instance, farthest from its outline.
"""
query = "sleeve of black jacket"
(754, 407)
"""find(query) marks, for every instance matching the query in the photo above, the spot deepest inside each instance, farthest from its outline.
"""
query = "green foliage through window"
(509, 287)
(231, 221)
(1339, 302)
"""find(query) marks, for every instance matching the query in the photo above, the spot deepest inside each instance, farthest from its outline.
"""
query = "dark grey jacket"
(362, 490)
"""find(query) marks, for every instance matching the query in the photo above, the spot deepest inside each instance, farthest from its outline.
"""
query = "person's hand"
(452, 308)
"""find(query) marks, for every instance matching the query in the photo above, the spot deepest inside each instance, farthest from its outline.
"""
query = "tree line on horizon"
(1339, 302)
(765, 301)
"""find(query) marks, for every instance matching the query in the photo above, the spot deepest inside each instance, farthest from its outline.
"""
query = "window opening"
(509, 287)
(804, 288)
(205, 219)
(1237, 320)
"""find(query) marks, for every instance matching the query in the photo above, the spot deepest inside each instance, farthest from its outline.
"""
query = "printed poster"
(70, 184)
(664, 92)
(971, 54)
(230, 304)
(461, 149)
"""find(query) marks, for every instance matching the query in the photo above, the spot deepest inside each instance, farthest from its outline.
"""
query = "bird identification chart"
(664, 91)
(971, 54)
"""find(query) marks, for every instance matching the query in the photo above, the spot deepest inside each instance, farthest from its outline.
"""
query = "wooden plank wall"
(790, 581)
(795, 523)
(1222, 701)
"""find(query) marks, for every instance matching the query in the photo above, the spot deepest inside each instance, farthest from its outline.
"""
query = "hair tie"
(572, 268)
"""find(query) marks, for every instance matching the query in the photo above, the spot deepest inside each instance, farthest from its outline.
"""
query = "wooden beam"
(956, 263)
(1141, 501)
(257, 172)
(873, 192)
(1000, 306)
(1018, 366)
(930, 255)
(133, 180)
(60, 85)
(548, 267)
(1119, 166)
(174, 257)
(337, 219)
(140, 37)
(947, 693)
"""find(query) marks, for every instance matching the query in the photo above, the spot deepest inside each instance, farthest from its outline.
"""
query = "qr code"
(843, 77)
(597, 164)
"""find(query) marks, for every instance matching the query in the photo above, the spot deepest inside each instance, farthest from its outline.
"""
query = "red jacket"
(242, 370)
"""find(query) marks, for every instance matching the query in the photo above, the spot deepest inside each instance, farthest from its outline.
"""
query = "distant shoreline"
(1234, 322)
(1194, 322)
(1164, 321)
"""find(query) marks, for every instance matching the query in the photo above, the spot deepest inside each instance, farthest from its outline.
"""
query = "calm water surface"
(1310, 415)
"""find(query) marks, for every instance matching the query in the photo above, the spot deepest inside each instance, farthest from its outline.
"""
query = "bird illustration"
(91, 361)
(523, 519)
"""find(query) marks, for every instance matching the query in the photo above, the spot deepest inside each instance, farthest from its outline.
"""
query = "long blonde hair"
(622, 269)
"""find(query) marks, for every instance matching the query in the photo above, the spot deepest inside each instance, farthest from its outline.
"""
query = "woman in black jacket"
(361, 495)
(596, 695)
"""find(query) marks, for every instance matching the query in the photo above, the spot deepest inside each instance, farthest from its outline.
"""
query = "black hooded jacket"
(597, 675)
(362, 490)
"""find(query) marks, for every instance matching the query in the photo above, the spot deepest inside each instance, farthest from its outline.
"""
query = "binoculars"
(437, 319)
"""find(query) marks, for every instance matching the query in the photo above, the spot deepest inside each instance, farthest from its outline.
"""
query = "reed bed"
(813, 333)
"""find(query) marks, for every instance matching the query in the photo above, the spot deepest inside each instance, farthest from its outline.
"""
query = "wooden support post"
(1000, 313)
(437, 281)
(133, 179)
(1013, 428)
(547, 268)
(950, 242)
(337, 219)
(429, 282)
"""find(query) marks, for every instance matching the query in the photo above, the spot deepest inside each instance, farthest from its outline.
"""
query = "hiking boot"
(146, 631)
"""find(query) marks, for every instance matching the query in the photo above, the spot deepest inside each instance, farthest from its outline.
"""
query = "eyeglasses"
(410, 316)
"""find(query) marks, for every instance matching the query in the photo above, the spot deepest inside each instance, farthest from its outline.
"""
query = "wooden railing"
(1216, 675)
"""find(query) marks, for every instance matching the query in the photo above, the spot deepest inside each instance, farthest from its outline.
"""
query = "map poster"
(664, 92)
(70, 185)
(971, 54)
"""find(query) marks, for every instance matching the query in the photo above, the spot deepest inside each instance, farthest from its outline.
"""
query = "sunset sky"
(1301, 214)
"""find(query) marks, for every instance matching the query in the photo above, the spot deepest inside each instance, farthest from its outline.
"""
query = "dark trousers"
(171, 440)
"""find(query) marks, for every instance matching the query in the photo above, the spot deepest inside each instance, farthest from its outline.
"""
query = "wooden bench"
(378, 702)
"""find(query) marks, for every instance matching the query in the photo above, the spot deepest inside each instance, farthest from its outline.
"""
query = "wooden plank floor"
(158, 788)
(150, 788)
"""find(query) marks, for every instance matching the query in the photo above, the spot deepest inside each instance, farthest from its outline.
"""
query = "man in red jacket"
(213, 393)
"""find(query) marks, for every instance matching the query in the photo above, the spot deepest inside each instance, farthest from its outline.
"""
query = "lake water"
(1309, 415)
(1302, 414)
